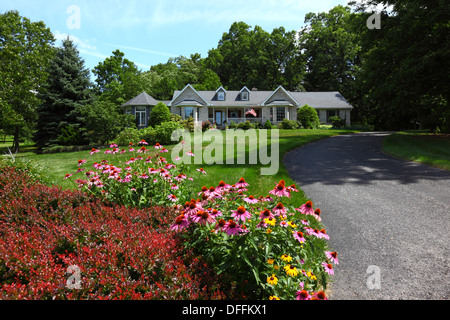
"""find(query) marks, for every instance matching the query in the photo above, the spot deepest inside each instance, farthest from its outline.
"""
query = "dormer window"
(221, 96)
(244, 95)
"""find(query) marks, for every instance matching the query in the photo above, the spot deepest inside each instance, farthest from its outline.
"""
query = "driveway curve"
(388, 219)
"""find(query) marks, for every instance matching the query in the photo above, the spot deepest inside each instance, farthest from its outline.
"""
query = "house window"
(244, 95)
(129, 110)
(141, 119)
(221, 96)
(281, 113)
(188, 112)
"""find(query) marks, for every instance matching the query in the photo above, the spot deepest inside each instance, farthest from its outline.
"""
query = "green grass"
(58, 164)
(421, 147)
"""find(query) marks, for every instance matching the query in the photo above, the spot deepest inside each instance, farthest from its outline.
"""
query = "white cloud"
(83, 47)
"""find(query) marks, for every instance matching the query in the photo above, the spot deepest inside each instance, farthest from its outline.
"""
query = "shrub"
(188, 124)
(206, 125)
(120, 253)
(308, 117)
(337, 122)
(164, 132)
(232, 125)
(246, 125)
(128, 135)
(268, 125)
(159, 114)
(288, 124)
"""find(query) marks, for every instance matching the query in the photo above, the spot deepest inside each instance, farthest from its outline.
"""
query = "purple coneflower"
(280, 190)
(180, 223)
(250, 199)
(241, 183)
(306, 208)
(299, 236)
(241, 214)
(328, 268)
(332, 256)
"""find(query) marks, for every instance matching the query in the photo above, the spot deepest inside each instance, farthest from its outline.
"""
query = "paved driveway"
(385, 217)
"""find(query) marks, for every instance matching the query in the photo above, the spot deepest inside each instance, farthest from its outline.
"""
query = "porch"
(224, 116)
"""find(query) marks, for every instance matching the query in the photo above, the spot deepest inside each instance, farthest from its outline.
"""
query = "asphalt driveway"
(388, 219)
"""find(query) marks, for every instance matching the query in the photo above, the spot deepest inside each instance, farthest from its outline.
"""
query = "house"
(223, 106)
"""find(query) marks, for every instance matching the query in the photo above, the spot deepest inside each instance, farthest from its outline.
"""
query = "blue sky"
(150, 32)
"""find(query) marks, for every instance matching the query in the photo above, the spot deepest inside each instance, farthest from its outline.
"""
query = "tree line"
(396, 76)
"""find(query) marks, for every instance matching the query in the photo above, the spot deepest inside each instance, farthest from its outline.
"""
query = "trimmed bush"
(288, 124)
(160, 114)
(308, 117)
(337, 122)
(128, 135)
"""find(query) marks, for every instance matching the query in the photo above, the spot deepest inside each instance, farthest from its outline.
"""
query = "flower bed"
(120, 253)
(273, 251)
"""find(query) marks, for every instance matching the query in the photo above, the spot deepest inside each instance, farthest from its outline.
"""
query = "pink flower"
(250, 199)
(190, 153)
(201, 170)
(306, 208)
(323, 234)
(93, 151)
(174, 187)
(280, 190)
(279, 209)
(180, 177)
(152, 170)
(328, 268)
(158, 146)
(232, 228)
(319, 296)
(80, 162)
(142, 150)
(203, 217)
(223, 186)
(215, 212)
(172, 197)
(299, 236)
(241, 214)
(113, 145)
(302, 295)
(143, 142)
(316, 214)
(180, 223)
(265, 214)
(68, 176)
(292, 188)
(220, 226)
(241, 183)
(164, 150)
(131, 150)
(332, 256)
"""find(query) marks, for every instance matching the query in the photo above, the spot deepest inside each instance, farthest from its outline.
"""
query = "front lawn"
(422, 147)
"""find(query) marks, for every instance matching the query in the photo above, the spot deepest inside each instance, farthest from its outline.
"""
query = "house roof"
(143, 99)
(317, 100)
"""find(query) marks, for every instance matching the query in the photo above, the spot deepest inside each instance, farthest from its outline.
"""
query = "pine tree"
(67, 88)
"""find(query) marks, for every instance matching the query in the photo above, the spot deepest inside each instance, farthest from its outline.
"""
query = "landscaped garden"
(136, 226)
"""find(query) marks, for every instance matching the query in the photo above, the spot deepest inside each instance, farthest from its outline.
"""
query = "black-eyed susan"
(292, 224)
(291, 270)
(274, 298)
(286, 258)
(270, 221)
(273, 280)
(270, 261)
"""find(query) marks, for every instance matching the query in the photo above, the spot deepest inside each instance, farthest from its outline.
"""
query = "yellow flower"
(274, 298)
(291, 270)
(270, 221)
(286, 258)
(270, 261)
(311, 275)
(273, 280)
(269, 231)
(291, 224)
(276, 267)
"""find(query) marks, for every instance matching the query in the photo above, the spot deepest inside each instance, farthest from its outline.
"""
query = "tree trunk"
(15, 146)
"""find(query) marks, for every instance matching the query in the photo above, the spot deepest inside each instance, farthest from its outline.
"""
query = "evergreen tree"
(67, 88)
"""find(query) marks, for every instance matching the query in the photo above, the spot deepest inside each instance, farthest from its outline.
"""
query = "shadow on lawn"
(354, 159)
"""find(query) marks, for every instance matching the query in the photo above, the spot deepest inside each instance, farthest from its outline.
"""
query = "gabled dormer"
(244, 94)
(221, 94)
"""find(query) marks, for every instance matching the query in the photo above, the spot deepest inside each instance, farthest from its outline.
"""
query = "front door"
(219, 119)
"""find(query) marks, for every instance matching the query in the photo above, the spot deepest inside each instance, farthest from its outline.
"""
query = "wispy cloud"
(158, 53)
(83, 47)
